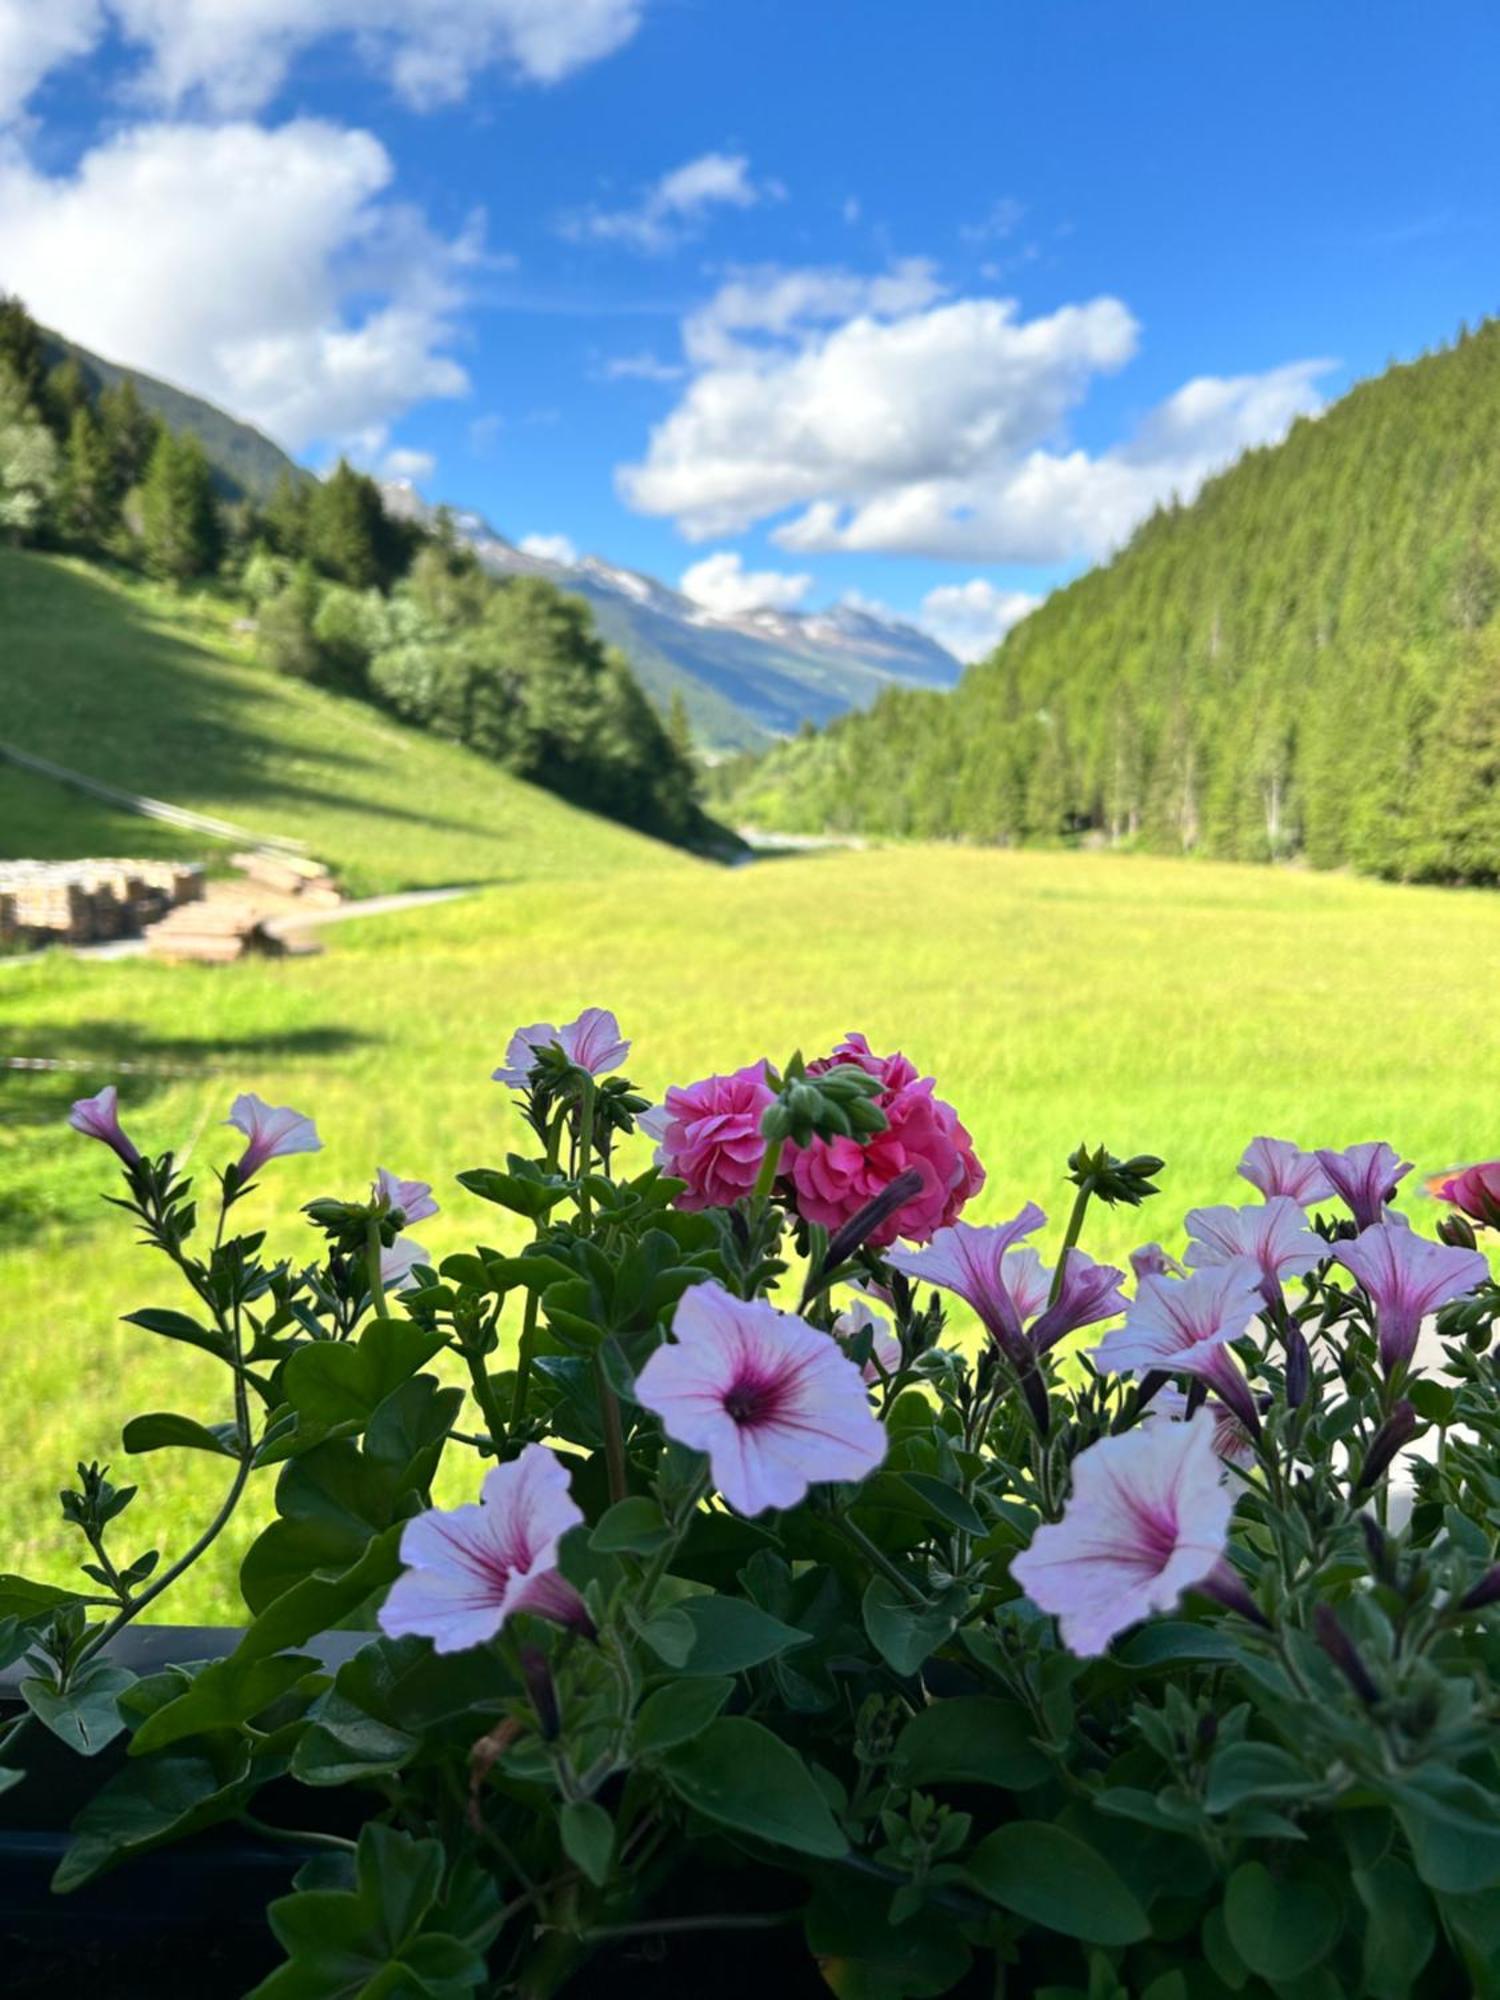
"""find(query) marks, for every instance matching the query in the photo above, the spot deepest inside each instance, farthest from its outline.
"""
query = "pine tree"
(28, 462)
(180, 527)
(348, 535)
(22, 353)
(131, 434)
(89, 509)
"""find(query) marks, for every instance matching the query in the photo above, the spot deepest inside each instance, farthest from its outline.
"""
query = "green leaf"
(631, 1527)
(739, 1774)
(343, 1744)
(1280, 1925)
(149, 1803)
(1243, 1771)
(588, 1838)
(161, 1430)
(904, 1634)
(386, 1938)
(972, 1739)
(862, 1955)
(1168, 1640)
(670, 1634)
(321, 1601)
(23, 1599)
(336, 1382)
(525, 1190)
(946, 1501)
(177, 1326)
(730, 1634)
(677, 1713)
(1452, 1827)
(1399, 1929)
(86, 1716)
(224, 1695)
(1053, 1879)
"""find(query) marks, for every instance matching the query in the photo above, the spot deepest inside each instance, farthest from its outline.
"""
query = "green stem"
(295, 1836)
(1070, 1237)
(770, 1167)
(660, 1926)
(878, 1558)
(585, 1147)
(614, 1433)
(372, 1264)
(523, 1360)
(484, 1396)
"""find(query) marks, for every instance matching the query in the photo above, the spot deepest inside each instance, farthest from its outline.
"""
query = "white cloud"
(232, 56)
(722, 585)
(675, 205)
(260, 268)
(971, 618)
(644, 367)
(1003, 218)
(893, 419)
(35, 39)
(407, 462)
(549, 548)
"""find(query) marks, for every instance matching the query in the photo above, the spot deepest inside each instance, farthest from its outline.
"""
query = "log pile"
(87, 902)
(309, 882)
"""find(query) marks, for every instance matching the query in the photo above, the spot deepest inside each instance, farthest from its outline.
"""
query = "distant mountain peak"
(744, 678)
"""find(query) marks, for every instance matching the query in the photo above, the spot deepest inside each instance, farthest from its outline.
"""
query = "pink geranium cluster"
(709, 1135)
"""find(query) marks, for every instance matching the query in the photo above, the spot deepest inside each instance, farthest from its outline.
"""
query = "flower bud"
(537, 1674)
(837, 1104)
(1341, 1649)
(1398, 1430)
(1298, 1366)
(1485, 1592)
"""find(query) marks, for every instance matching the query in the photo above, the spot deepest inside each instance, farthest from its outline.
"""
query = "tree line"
(1302, 664)
(342, 593)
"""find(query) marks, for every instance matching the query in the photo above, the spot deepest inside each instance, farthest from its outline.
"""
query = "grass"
(160, 694)
(1163, 1006)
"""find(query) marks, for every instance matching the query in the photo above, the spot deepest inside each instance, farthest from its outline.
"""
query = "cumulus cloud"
(549, 548)
(877, 414)
(407, 462)
(722, 585)
(232, 56)
(263, 269)
(971, 618)
(674, 206)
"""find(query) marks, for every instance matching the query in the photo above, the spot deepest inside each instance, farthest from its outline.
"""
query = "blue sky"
(800, 298)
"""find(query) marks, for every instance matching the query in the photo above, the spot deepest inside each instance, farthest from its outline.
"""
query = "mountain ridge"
(745, 680)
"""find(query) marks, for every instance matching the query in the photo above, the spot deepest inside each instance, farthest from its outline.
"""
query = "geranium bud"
(1398, 1430)
(1475, 1190)
(1341, 1649)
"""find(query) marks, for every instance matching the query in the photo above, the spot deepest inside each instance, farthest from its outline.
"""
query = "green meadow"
(1154, 1005)
(1160, 1006)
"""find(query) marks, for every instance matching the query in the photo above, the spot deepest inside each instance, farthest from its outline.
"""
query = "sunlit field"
(1156, 1006)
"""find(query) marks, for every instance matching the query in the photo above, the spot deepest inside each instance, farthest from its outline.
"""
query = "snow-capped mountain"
(744, 679)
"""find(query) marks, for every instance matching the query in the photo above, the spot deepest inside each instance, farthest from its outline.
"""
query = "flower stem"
(878, 1558)
(770, 1167)
(614, 1433)
(1070, 1237)
(372, 1264)
(484, 1396)
(523, 1359)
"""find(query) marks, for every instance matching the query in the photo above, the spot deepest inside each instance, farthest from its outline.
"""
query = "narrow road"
(281, 926)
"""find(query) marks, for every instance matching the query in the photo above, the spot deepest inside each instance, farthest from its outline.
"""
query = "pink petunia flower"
(1364, 1178)
(1276, 1166)
(397, 1262)
(471, 1568)
(1008, 1287)
(1275, 1237)
(592, 1042)
(272, 1130)
(99, 1118)
(885, 1349)
(1147, 1519)
(709, 1135)
(1476, 1191)
(1406, 1277)
(413, 1198)
(833, 1179)
(1182, 1326)
(777, 1405)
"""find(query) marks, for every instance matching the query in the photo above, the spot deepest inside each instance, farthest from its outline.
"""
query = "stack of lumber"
(216, 931)
(84, 902)
(291, 875)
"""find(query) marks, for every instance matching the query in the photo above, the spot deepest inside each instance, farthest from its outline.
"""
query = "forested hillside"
(1305, 662)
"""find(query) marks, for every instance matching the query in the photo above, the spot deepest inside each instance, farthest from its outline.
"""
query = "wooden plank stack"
(291, 875)
(87, 901)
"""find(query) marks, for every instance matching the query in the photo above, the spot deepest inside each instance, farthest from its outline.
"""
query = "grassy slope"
(1159, 1005)
(159, 694)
